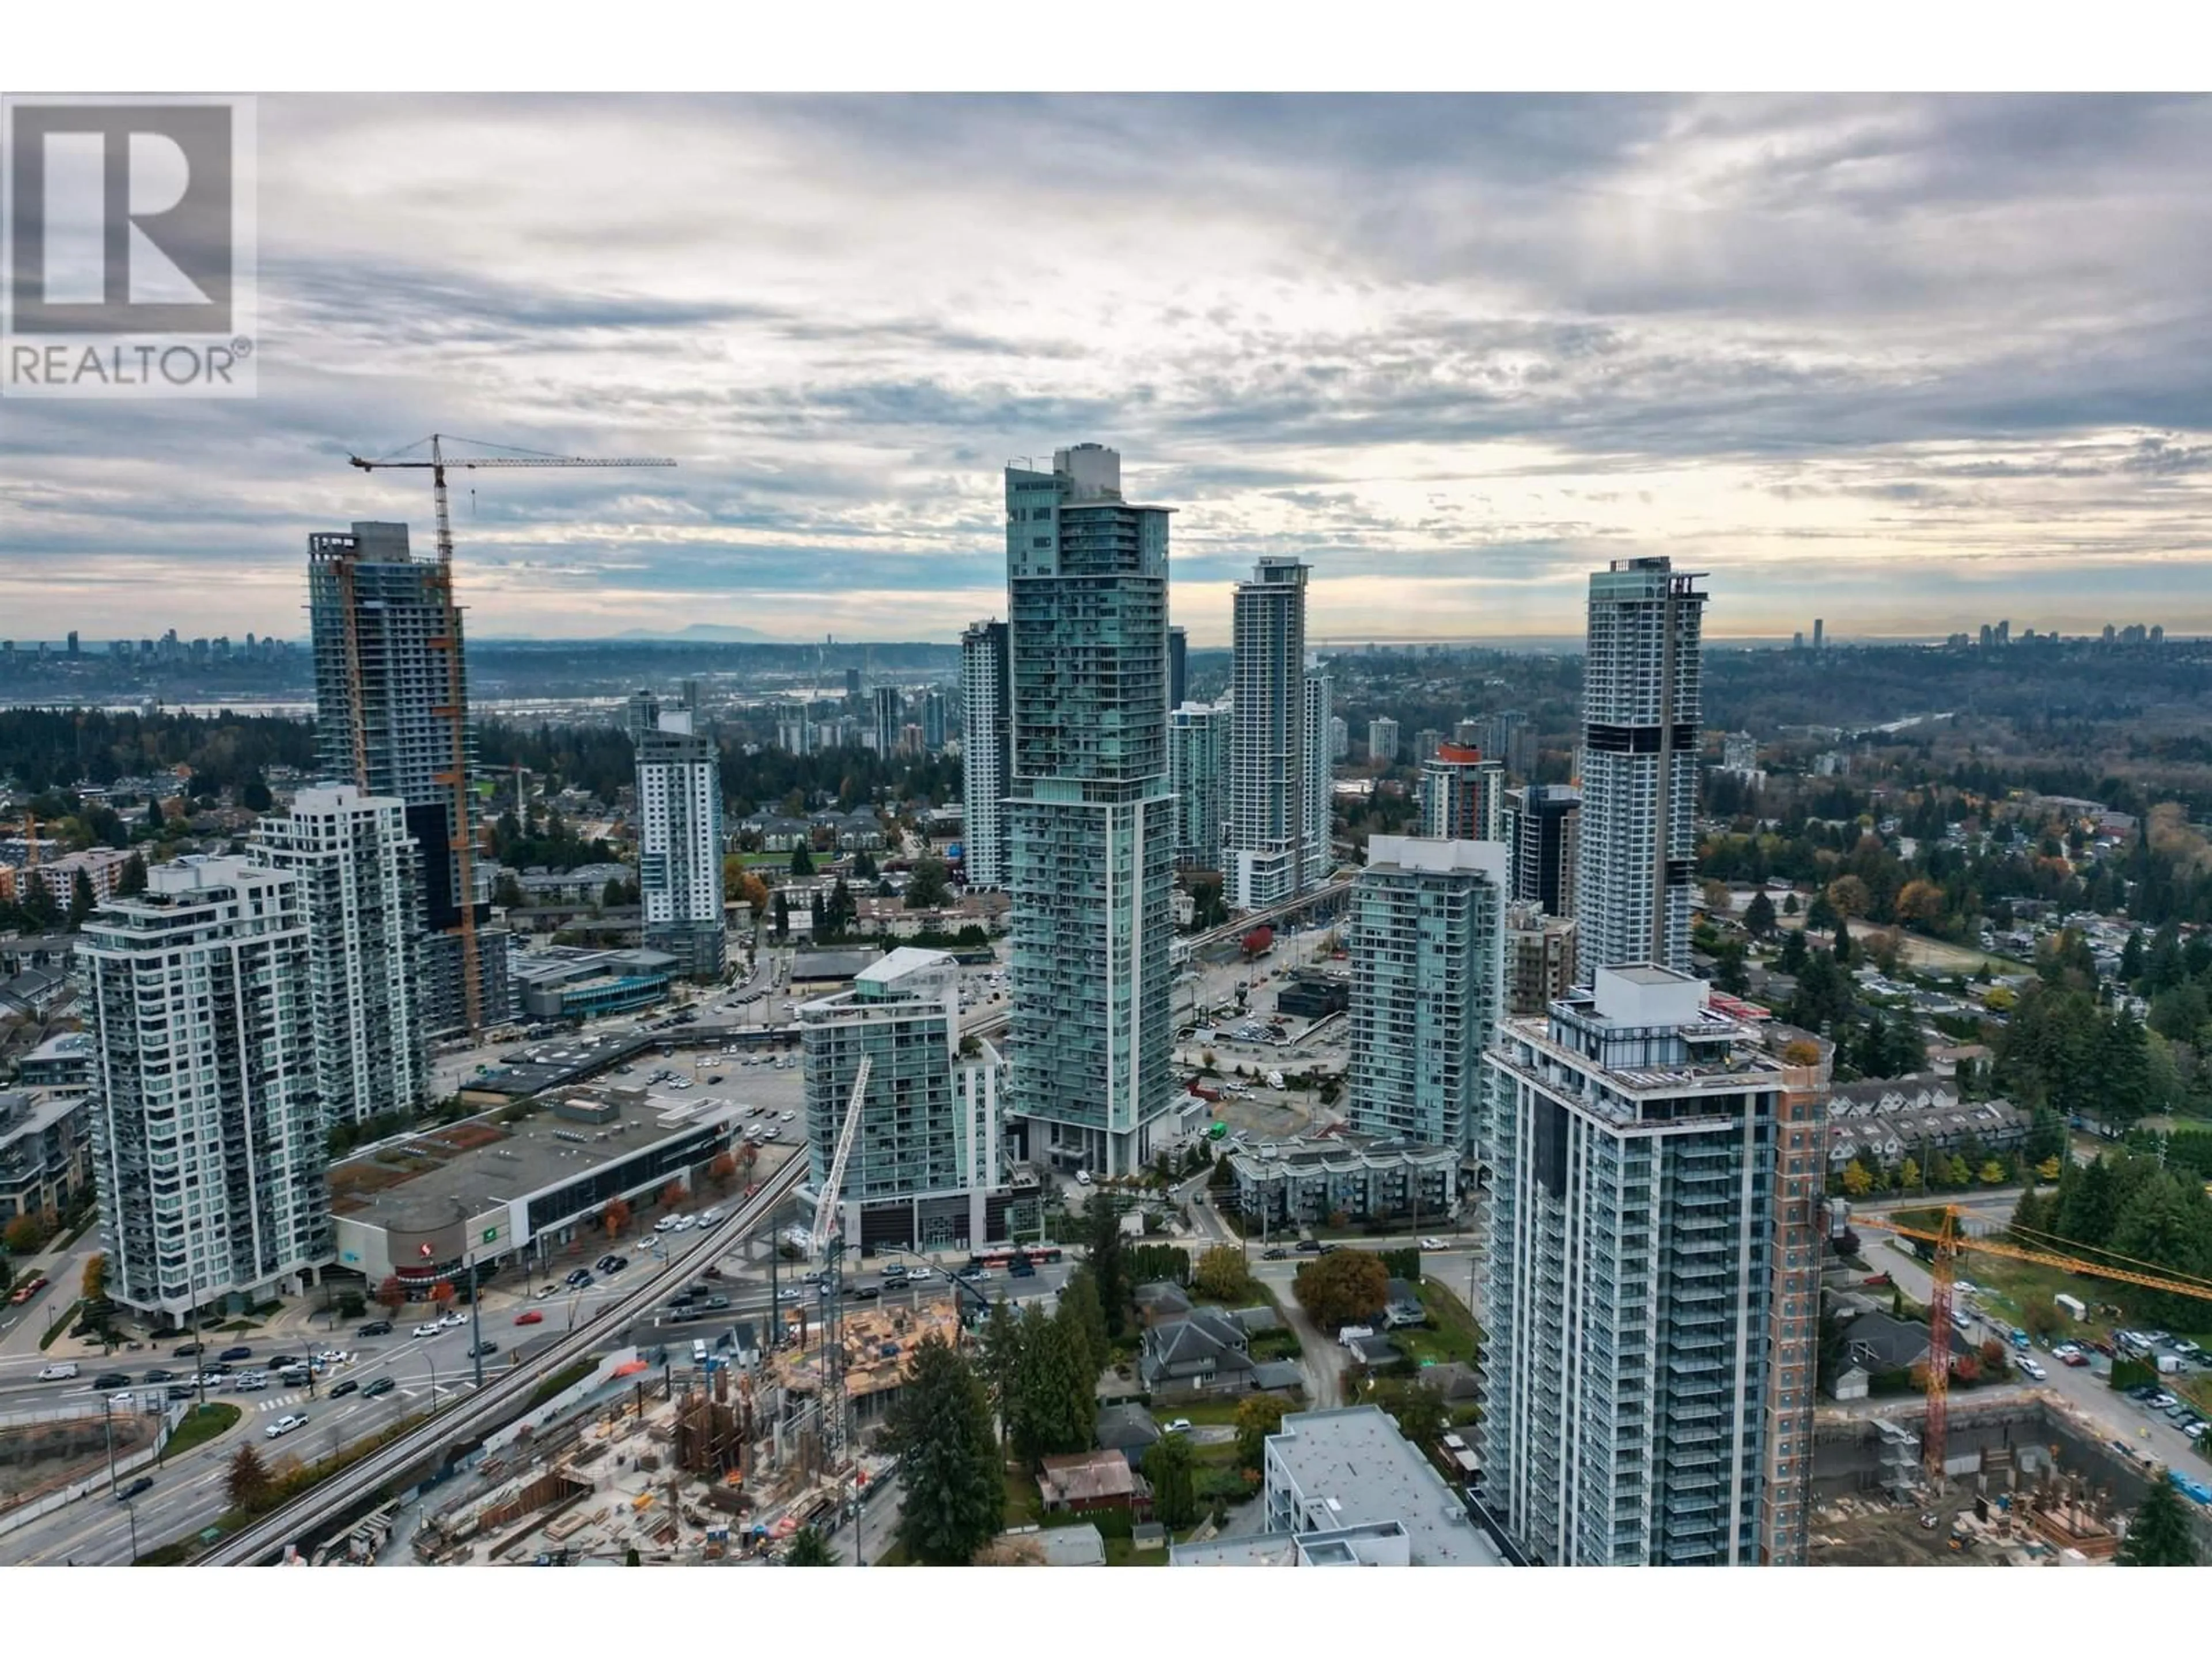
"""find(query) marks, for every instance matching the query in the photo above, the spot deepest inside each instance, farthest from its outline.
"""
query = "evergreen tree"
(82, 901)
(1843, 948)
(956, 1492)
(132, 881)
(2159, 1535)
(1056, 1409)
(1759, 916)
(802, 861)
(1108, 1265)
(1168, 1463)
(1002, 1359)
(2132, 956)
(1793, 951)
(156, 820)
(2028, 1217)
(808, 1548)
(1079, 1301)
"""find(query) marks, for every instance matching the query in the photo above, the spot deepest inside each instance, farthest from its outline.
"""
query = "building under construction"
(391, 718)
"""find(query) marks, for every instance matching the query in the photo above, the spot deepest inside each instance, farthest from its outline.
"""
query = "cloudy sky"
(1905, 363)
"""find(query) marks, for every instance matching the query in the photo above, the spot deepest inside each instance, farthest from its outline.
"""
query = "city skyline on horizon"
(1452, 352)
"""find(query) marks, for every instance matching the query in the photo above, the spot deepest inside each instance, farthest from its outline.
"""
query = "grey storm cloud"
(1452, 350)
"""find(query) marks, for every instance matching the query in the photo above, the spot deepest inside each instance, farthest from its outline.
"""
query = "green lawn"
(1123, 1552)
(1205, 1411)
(1451, 1333)
(200, 1426)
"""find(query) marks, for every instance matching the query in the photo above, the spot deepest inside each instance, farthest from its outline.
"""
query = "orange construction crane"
(454, 705)
(1949, 1240)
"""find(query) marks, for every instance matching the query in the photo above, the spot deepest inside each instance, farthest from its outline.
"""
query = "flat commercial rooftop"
(1353, 1465)
(426, 1182)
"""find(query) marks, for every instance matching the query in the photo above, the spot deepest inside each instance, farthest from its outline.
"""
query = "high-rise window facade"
(986, 739)
(679, 841)
(1265, 830)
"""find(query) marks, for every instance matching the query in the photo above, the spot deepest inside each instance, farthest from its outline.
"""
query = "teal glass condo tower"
(1090, 813)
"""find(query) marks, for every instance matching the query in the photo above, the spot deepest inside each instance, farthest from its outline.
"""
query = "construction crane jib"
(453, 704)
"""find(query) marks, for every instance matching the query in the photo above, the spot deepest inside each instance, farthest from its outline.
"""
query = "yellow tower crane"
(1949, 1240)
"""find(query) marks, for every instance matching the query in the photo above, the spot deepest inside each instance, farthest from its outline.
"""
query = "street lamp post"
(131, 1510)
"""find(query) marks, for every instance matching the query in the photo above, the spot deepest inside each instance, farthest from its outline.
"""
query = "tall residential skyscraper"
(1793, 1326)
(679, 842)
(932, 720)
(1178, 667)
(208, 1142)
(1092, 817)
(1632, 1141)
(1263, 835)
(1819, 634)
(1320, 800)
(360, 877)
(928, 1167)
(890, 716)
(1462, 795)
(391, 718)
(985, 752)
(1383, 739)
(1198, 771)
(1428, 966)
(1340, 738)
(1543, 826)
(1641, 717)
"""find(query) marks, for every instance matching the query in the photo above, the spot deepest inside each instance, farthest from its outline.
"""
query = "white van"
(1083, 1177)
(58, 1372)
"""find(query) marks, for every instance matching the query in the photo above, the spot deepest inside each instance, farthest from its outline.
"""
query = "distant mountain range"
(702, 631)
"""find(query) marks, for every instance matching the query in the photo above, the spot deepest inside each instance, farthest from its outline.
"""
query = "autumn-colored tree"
(615, 1217)
(247, 1483)
(2048, 1168)
(391, 1295)
(1800, 1051)
(1856, 1182)
(1909, 1178)
(1993, 1356)
(1258, 1416)
(1991, 1173)
(723, 1170)
(1221, 1274)
(671, 1196)
(1848, 897)
(754, 891)
(1966, 1368)
(1919, 902)
(441, 1295)
(1344, 1287)
(749, 1155)
(23, 1234)
(95, 1276)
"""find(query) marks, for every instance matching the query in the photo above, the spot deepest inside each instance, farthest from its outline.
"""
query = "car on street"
(709, 1217)
(431, 1329)
(916, 1275)
(856, 1292)
(375, 1327)
(1434, 1244)
(664, 1224)
(1309, 1247)
(685, 1224)
(1274, 1252)
(242, 1351)
(131, 1489)
(791, 1293)
(189, 1351)
(530, 1316)
(57, 1373)
(1180, 1425)
(160, 1376)
(284, 1425)
(578, 1280)
(785, 1117)
(452, 1320)
(483, 1348)
(351, 1385)
(605, 1263)
(107, 1380)
(897, 1271)
(382, 1385)
(618, 1264)
(2030, 1368)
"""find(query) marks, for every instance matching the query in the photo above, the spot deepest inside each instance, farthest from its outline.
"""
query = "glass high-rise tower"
(985, 736)
(1641, 714)
(1091, 815)
(1264, 830)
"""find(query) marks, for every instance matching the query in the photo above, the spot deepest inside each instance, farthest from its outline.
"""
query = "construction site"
(682, 1465)
(2028, 1482)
